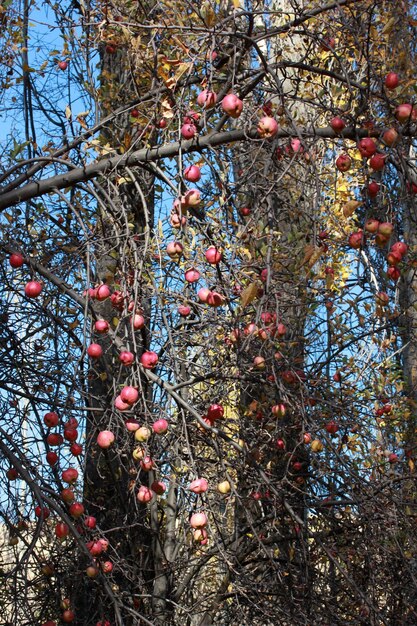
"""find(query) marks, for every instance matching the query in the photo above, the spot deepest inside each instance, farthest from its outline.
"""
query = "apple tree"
(207, 331)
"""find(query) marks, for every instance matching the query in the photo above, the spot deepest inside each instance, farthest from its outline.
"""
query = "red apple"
(188, 131)
(259, 363)
(215, 299)
(61, 530)
(104, 543)
(367, 147)
(203, 294)
(175, 250)
(343, 162)
(72, 422)
(129, 395)
(373, 189)
(16, 260)
(279, 410)
(393, 258)
(393, 273)
(403, 112)
(76, 509)
(70, 434)
(92, 571)
(184, 310)
(95, 548)
(192, 197)
(94, 351)
(176, 221)
(149, 360)
(51, 419)
(213, 255)
(385, 229)
(90, 522)
(62, 65)
(42, 512)
(101, 326)
(144, 494)
(337, 124)
(147, 463)
(158, 487)
(192, 173)
(68, 616)
(356, 240)
(371, 225)
(117, 300)
(67, 495)
(160, 427)
(132, 425)
(76, 449)
(215, 412)
(198, 520)
(107, 568)
(232, 105)
(200, 485)
(191, 117)
(120, 404)
(33, 289)
(192, 275)
(138, 321)
(12, 473)
(390, 137)
(399, 247)
(51, 458)
(377, 162)
(392, 80)
(126, 357)
(267, 127)
(332, 427)
(207, 99)
(70, 475)
(55, 439)
(105, 439)
(102, 292)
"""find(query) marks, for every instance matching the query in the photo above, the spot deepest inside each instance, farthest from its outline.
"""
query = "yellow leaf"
(249, 294)
(167, 111)
(81, 122)
(308, 253)
(315, 256)
(350, 207)
(388, 26)
(68, 112)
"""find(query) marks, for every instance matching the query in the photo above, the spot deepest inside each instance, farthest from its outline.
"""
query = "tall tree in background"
(204, 415)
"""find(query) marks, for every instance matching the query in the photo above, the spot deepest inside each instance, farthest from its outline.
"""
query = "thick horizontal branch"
(105, 167)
